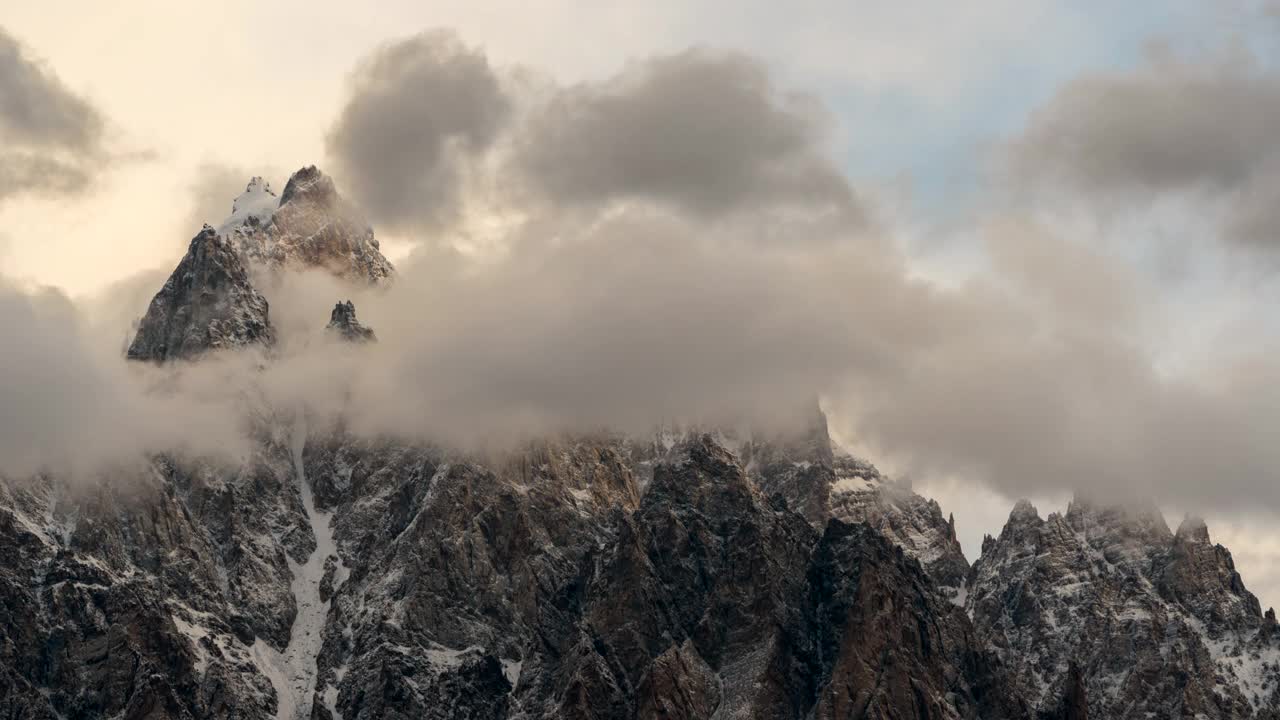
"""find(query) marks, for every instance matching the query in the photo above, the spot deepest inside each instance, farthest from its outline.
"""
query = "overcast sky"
(1020, 246)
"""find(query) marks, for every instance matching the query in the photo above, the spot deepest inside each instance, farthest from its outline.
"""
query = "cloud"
(1255, 212)
(40, 173)
(1167, 125)
(707, 132)
(1030, 379)
(430, 125)
(647, 316)
(632, 320)
(1202, 129)
(643, 297)
(418, 109)
(52, 138)
(1042, 384)
(73, 406)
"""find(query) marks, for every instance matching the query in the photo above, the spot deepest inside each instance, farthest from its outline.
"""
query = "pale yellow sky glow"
(256, 85)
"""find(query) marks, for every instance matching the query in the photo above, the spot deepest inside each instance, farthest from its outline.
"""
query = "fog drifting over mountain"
(676, 242)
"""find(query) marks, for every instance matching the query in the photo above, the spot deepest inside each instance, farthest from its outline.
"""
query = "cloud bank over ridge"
(676, 241)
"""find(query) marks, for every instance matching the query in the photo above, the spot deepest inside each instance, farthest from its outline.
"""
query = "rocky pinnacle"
(207, 304)
(343, 323)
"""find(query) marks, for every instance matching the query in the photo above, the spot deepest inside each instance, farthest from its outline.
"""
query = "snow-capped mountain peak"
(311, 226)
(253, 207)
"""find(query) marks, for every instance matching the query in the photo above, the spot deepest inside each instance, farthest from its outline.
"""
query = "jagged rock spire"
(207, 304)
(311, 185)
(1044, 589)
(1024, 510)
(1194, 528)
(209, 301)
(343, 322)
(315, 227)
(310, 226)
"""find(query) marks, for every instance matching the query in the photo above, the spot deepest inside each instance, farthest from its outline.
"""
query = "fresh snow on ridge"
(257, 202)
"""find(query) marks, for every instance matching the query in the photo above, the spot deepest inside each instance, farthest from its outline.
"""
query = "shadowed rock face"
(311, 186)
(343, 324)
(1075, 700)
(207, 304)
(143, 595)
(545, 584)
(708, 579)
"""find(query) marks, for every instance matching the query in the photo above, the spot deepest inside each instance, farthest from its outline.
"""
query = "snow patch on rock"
(511, 669)
(297, 665)
(195, 633)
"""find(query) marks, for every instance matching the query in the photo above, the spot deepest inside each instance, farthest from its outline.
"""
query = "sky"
(1020, 247)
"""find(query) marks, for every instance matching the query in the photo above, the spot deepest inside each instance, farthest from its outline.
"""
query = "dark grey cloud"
(36, 109)
(1167, 125)
(419, 109)
(706, 132)
(40, 173)
(1203, 128)
(51, 138)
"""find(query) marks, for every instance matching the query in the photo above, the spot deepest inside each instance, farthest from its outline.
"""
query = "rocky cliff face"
(549, 586)
(378, 579)
(207, 304)
(1104, 607)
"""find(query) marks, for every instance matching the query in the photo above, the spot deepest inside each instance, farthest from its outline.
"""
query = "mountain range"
(691, 572)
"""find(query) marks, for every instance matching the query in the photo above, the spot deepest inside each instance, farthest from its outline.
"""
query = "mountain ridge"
(689, 573)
